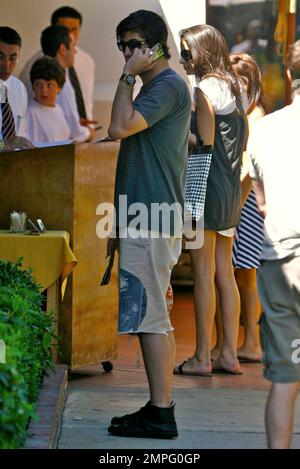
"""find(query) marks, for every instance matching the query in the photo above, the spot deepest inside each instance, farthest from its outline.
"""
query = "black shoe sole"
(165, 436)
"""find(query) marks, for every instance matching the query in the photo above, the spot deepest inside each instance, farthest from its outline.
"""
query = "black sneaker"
(152, 422)
(118, 420)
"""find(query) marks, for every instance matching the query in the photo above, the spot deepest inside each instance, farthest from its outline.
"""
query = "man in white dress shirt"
(83, 64)
(13, 96)
(58, 42)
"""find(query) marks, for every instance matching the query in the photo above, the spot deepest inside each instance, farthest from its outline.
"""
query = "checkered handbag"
(198, 165)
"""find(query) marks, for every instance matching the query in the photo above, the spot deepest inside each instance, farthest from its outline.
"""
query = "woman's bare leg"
(219, 329)
(229, 302)
(251, 307)
(203, 265)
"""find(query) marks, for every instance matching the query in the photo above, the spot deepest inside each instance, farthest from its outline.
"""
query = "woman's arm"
(246, 187)
(258, 187)
(192, 140)
(205, 118)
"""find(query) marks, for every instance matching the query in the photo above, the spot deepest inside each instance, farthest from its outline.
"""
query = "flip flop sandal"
(249, 360)
(226, 372)
(181, 371)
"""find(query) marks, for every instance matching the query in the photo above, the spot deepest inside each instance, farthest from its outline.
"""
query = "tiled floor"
(183, 322)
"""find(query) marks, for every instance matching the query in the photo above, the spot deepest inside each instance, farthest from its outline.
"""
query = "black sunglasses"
(186, 55)
(132, 44)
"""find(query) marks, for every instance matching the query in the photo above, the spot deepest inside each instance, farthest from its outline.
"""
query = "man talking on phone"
(153, 130)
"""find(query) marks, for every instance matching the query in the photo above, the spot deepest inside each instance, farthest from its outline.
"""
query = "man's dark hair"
(47, 68)
(148, 25)
(10, 36)
(52, 38)
(65, 12)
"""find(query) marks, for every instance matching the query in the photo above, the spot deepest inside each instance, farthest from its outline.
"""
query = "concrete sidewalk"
(217, 412)
(222, 411)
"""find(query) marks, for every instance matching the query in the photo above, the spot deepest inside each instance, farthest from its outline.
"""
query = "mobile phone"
(41, 225)
(156, 52)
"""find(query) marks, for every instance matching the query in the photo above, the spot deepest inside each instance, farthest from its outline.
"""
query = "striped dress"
(249, 236)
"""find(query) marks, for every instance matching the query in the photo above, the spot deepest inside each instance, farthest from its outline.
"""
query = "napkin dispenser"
(18, 222)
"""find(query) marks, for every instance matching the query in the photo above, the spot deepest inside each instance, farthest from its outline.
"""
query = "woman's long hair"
(249, 74)
(210, 55)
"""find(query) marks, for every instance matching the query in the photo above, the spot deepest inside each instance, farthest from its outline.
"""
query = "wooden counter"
(63, 186)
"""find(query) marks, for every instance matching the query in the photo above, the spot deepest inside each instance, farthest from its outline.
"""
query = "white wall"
(30, 17)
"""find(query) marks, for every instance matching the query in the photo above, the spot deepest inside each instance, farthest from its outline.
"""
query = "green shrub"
(27, 333)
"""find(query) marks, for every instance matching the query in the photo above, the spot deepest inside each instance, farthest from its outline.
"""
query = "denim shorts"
(145, 266)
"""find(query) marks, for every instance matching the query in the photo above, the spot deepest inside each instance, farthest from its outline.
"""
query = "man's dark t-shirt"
(152, 163)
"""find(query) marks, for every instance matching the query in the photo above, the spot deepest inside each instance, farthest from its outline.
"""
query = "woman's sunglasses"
(132, 44)
(186, 55)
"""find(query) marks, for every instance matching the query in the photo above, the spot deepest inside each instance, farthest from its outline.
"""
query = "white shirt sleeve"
(67, 101)
(17, 97)
(220, 95)
(85, 69)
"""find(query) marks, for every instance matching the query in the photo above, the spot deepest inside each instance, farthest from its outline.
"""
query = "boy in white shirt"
(45, 120)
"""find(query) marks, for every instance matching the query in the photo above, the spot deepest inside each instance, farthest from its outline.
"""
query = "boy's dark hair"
(52, 38)
(65, 12)
(148, 25)
(10, 36)
(47, 68)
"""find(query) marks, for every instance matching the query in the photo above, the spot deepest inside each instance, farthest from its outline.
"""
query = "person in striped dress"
(249, 234)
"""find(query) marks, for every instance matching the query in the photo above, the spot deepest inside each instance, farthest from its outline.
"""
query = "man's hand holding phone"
(142, 59)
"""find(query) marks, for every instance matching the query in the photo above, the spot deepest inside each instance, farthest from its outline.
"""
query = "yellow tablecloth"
(49, 255)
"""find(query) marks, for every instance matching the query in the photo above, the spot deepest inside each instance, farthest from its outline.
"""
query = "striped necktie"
(8, 122)
(78, 93)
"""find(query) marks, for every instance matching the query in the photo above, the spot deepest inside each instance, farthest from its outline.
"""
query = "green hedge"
(27, 333)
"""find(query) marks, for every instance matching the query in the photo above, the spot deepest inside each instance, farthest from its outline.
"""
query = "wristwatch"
(128, 79)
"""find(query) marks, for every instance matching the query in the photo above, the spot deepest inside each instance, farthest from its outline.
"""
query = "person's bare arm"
(246, 134)
(205, 119)
(246, 187)
(125, 120)
(192, 140)
(258, 187)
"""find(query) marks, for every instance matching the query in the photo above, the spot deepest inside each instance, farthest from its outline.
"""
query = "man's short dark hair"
(47, 68)
(52, 38)
(148, 25)
(65, 12)
(10, 36)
